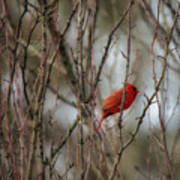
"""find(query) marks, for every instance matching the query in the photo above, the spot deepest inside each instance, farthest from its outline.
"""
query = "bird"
(112, 104)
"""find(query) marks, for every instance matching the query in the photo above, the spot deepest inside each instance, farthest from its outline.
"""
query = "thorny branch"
(117, 158)
(109, 42)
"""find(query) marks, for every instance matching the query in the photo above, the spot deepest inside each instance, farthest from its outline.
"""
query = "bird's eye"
(134, 89)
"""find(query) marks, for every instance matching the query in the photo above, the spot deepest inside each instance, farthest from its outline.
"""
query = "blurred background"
(59, 60)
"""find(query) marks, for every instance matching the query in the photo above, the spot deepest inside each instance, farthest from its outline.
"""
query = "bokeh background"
(59, 60)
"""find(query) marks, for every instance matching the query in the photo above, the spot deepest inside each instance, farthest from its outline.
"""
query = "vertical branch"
(34, 123)
(39, 90)
(14, 51)
(152, 44)
(24, 64)
(91, 51)
(126, 72)
(88, 160)
(119, 154)
(82, 146)
(43, 66)
(2, 159)
(79, 45)
(6, 110)
(22, 154)
(140, 119)
(8, 137)
(82, 93)
(1, 107)
(161, 119)
(19, 117)
(109, 43)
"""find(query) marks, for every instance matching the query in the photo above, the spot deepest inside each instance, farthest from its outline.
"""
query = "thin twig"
(66, 137)
(109, 42)
(140, 119)
(118, 156)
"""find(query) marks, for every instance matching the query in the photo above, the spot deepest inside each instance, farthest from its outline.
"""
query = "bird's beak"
(138, 91)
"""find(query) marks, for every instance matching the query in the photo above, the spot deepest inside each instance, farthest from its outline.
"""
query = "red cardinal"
(112, 104)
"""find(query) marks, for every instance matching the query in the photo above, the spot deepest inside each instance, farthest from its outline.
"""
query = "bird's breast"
(129, 99)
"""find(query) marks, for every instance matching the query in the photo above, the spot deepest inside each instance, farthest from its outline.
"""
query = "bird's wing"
(114, 100)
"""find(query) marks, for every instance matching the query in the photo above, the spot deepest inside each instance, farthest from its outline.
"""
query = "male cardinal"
(112, 103)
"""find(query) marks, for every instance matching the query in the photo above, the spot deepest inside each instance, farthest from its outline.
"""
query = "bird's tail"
(100, 123)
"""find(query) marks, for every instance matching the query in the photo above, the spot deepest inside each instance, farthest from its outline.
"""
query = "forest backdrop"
(59, 60)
